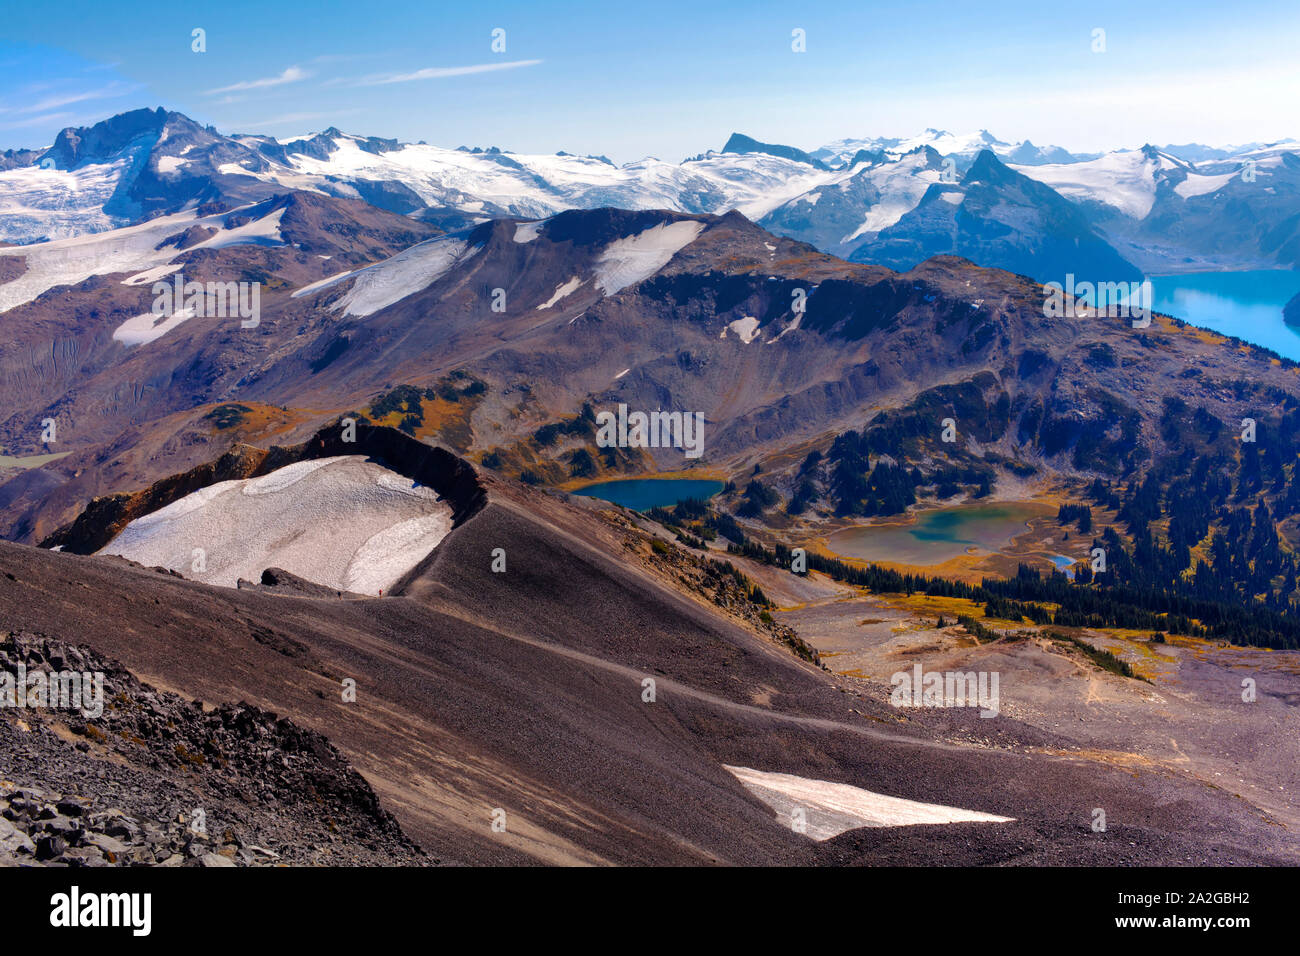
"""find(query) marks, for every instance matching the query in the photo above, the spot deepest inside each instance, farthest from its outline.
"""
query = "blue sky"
(668, 79)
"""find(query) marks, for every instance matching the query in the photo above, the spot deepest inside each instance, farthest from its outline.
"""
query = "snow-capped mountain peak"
(963, 146)
(846, 197)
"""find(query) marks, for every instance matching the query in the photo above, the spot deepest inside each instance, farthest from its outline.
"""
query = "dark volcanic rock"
(106, 139)
(280, 581)
(11, 267)
(13, 158)
(740, 143)
(156, 778)
(190, 237)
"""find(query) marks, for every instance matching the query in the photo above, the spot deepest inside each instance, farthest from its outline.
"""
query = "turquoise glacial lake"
(642, 494)
(932, 537)
(1245, 304)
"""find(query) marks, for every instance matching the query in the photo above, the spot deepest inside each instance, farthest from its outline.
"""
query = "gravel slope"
(523, 692)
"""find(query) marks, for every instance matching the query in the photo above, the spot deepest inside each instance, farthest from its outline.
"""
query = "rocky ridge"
(158, 780)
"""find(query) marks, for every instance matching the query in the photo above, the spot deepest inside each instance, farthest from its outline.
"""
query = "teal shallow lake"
(642, 494)
(939, 535)
(1245, 304)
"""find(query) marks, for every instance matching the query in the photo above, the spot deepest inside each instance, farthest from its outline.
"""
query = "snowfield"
(406, 273)
(562, 291)
(131, 249)
(488, 184)
(440, 177)
(147, 328)
(150, 276)
(832, 808)
(627, 261)
(746, 329)
(943, 142)
(169, 165)
(528, 231)
(1195, 185)
(345, 522)
(1125, 180)
(901, 186)
(38, 203)
(320, 284)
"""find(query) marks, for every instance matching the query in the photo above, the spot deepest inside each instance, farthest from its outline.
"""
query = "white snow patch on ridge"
(167, 165)
(832, 808)
(345, 522)
(259, 232)
(1196, 185)
(563, 290)
(150, 276)
(406, 273)
(746, 329)
(320, 284)
(144, 329)
(636, 258)
(528, 231)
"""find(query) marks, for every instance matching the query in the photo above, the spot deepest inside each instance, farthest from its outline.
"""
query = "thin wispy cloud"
(440, 72)
(67, 99)
(292, 74)
(37, 120)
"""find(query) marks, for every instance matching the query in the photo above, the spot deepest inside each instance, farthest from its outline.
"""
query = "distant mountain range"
(844, 151)
(649, 308)
(1038, 210)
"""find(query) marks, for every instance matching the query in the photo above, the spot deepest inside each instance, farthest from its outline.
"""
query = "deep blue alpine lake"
(1245, 304)
(642, 494)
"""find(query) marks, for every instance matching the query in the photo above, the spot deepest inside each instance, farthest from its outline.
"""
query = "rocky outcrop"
(996, 216)
(280, 581)
(158, 780)
(740, 143)
(105, 139)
